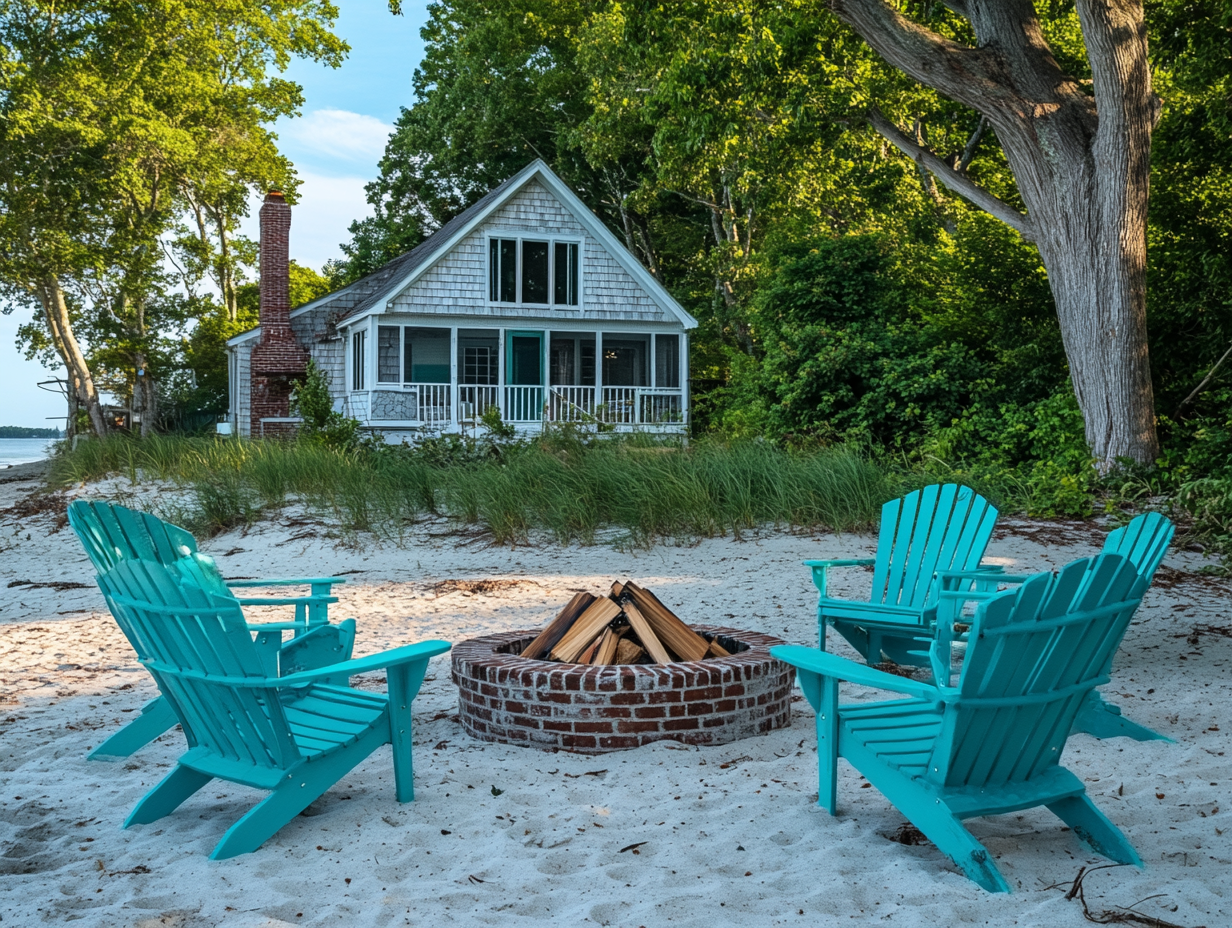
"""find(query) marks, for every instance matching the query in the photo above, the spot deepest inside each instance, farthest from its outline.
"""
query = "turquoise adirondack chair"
(941, 527)
(111, 533)
(993, 743)
(1144, 541)
(294, 735)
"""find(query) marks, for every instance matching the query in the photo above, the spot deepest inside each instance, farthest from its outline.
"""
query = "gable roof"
(382, 285)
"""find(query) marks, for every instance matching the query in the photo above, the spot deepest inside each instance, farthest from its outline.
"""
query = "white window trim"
(552, 240)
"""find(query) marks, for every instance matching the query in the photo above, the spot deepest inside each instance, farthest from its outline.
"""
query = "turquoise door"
(524, 370)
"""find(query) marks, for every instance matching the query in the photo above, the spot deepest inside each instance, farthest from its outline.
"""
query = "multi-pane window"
(532, 271)
(480, 364)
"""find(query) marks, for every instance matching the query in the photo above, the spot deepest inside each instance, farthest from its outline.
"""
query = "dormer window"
(538, 272)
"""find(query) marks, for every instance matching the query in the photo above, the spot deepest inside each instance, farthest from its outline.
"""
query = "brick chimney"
(279, 359)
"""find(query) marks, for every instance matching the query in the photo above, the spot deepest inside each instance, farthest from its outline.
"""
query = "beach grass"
(573, 488)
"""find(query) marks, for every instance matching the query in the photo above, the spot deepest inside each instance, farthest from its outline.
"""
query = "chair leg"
(1100, 720)
(156, 717)
(404, 682)
(946, 830)
(1093, 827)
(302, 786)
(933, 817)
(167, 796)
(827, 744)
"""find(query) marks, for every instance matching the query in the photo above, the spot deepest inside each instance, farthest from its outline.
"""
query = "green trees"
(734, 146)
(119, 120)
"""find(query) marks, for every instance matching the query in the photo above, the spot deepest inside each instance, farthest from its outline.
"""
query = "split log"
(589, 624)
(628, 651)
(608, 642)
(670, 630)
(588, 653)
(646, 634)
(556, 629)
(717, 650)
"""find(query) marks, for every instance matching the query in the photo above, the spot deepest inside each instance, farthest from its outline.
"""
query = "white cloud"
(320, 220)
(340, 134)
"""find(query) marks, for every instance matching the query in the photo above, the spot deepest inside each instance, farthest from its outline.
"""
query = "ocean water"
(24, 450)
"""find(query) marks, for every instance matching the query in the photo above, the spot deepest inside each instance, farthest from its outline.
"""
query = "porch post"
(453, 378)
(598, 372)
(686, 379)
(500, 372)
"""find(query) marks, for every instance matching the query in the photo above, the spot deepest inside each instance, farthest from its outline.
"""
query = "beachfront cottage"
(524, 302)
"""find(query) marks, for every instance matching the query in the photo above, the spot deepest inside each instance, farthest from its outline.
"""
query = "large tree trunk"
(1081, 164)
(60, 327)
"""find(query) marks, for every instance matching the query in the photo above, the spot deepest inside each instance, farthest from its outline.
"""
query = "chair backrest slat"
(110, 533)
(941, 527)
(1144, 541)
(1033, 655)
(196, 640)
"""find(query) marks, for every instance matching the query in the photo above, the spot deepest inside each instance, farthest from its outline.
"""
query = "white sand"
(731, 834)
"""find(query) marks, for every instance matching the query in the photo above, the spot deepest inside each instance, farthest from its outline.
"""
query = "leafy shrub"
(311, 401)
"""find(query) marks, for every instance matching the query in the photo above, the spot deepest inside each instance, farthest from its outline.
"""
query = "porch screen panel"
(565, 284)
(534, 272)
(388, 362)
(624, 362)
(667, 361)
(427, 356)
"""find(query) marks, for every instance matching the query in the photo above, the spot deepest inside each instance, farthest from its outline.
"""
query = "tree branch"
(958, 182)
(969, 75)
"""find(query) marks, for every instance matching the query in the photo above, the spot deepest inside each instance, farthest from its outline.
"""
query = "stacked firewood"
(627, 626)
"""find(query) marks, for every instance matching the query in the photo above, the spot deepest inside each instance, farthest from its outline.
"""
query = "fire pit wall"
(592, 709)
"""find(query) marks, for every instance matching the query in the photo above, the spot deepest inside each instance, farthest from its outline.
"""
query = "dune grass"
(568, 487)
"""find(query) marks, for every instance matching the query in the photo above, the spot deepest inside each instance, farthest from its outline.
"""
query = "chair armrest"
(295, 581)
(274, 626)
(385, 659)
(283, 600)
(821, 568)
(982, 573)
(831, 665)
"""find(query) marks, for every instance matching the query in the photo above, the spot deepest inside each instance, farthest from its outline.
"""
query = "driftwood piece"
(589, 624)
(677, 636)
(717, 650)
(556, 629)
(646, 635)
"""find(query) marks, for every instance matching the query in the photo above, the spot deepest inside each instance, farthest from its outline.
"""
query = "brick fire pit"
(592, 709)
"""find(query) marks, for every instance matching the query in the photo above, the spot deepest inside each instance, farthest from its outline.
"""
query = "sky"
(335, 145)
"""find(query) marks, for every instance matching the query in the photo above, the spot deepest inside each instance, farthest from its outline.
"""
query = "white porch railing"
(523, 404)
(431, 404)
(474, 400)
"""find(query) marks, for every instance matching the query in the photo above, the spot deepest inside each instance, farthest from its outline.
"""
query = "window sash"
(357, 360)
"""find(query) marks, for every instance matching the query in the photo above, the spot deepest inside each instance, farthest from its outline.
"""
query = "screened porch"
(446, 378)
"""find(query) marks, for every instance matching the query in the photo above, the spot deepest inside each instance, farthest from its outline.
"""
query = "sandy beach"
(515, 836)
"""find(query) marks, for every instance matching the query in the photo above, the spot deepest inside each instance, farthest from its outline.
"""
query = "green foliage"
(1209, 502)
(311, 400)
